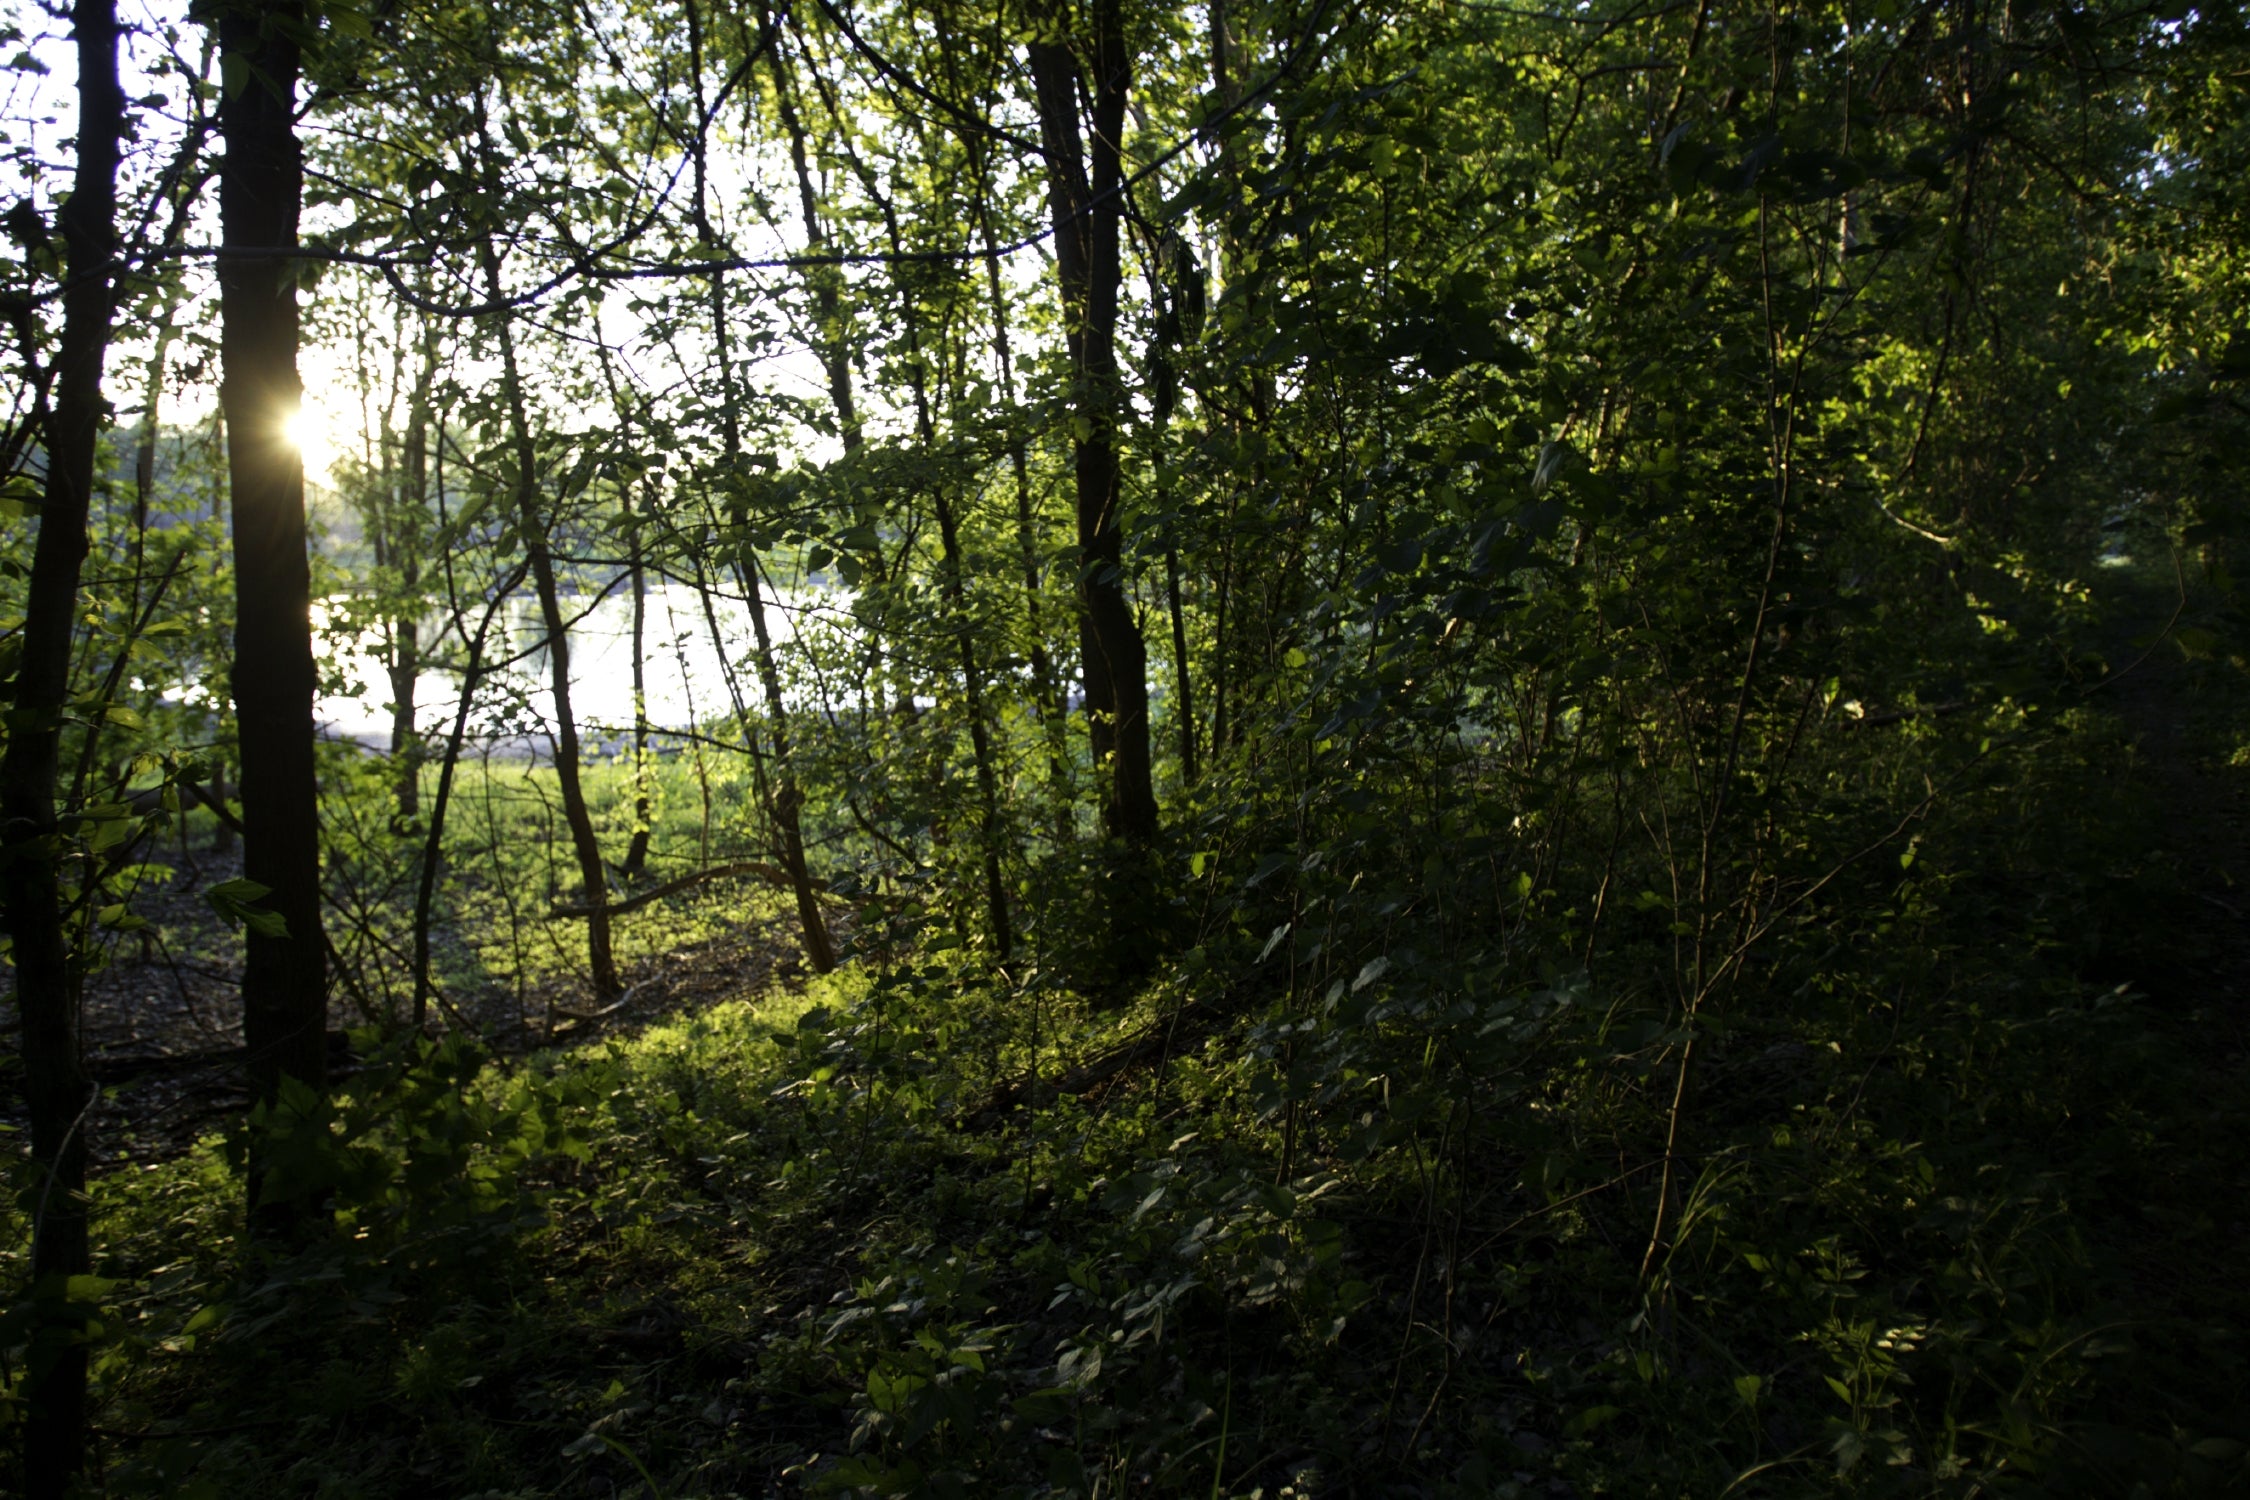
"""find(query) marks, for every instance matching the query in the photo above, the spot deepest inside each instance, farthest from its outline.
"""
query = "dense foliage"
(1445, 749)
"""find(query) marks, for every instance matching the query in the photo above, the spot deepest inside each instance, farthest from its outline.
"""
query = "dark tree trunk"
(285, 978)
(1087, 206)
(953, 584)
(825, 282)
(636, 571)
(1185, 711)
(47, 973)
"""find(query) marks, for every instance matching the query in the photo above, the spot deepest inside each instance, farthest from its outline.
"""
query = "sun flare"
(313, 438)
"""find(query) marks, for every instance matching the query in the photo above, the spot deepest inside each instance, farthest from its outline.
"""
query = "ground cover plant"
(1085, 749)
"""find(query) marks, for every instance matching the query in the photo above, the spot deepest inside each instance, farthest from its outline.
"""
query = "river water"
(685, 672)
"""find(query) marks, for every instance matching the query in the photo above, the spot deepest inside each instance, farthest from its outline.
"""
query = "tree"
(1086, 203)
(33, 840)
(285, 977)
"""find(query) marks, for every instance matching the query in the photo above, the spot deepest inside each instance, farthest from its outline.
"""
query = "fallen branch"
(612, 1008)
(771, 874)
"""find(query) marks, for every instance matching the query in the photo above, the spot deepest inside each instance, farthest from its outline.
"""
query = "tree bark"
(636, 569)
(953, 583)
(825, 282)
(1086, 200)
(47, 972)
(285, 978)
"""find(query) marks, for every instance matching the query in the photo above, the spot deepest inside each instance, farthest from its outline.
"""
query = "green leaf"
(232, 899)
(241, 888)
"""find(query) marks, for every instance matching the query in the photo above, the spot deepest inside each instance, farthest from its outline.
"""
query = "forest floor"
(162, 1016)
(737, 1246)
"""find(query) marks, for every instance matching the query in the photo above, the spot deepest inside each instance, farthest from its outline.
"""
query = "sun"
(314, 439)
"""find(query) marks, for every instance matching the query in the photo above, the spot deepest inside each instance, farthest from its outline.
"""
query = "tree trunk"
(1185, 711)
(636, 853)
(826, 282)
(433, 841)
(406, 525)
(285, 978)
(785, 802)
(47, 973)
(1087, 207)
(600, 962)
(953, 583)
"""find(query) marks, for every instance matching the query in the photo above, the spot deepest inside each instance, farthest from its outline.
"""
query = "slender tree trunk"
(826, 282)
(433, 841)
(144, 456)
(47, 973)
(785, 802)
(222, 835)
(600, 961)
(1227, 716)
(952, 584)
(285, 978)
(636, 853)
(406, 525)
(1185, 711)
(1087, 207)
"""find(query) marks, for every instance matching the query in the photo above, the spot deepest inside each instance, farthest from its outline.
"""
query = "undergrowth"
(1952, 1217)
